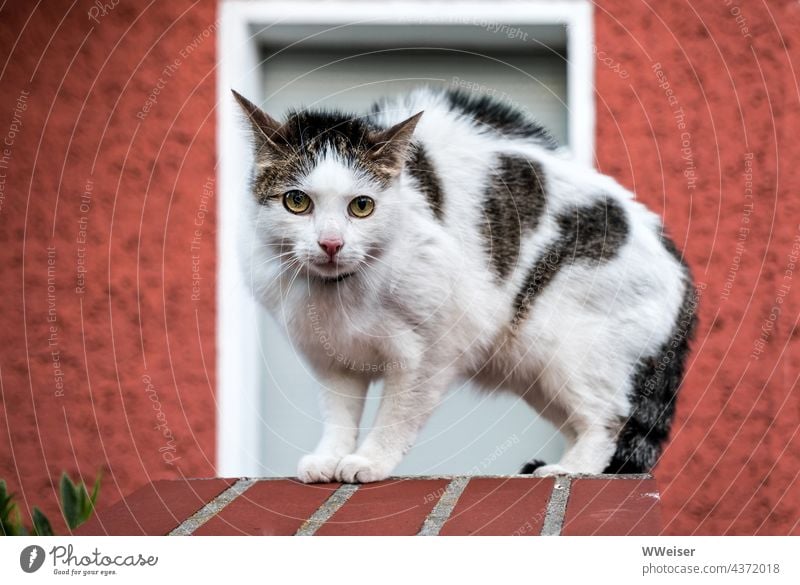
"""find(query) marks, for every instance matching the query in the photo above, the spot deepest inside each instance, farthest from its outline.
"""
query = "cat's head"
(325, 183)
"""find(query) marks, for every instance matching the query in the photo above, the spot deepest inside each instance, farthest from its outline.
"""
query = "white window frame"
(239, 434)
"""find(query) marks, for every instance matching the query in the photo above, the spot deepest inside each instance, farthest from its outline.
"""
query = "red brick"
(500, 507)
(386, 508)
(269, 508)
(613, 507)
(155, 509)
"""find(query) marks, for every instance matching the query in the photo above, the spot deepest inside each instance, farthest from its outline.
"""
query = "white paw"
(317, 468)
(359, 469)
(550, 470)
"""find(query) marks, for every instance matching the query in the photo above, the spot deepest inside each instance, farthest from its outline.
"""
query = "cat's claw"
(359, 469)
(315, 468)
(550, 471)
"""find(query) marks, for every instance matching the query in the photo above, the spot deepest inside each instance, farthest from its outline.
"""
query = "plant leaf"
(10, 524)
(6, 502)
(88, 502)
(96, 488)
(70, 501)
(41, 525)
(85, 505)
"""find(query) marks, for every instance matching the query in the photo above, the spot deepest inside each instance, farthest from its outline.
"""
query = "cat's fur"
(489, 256)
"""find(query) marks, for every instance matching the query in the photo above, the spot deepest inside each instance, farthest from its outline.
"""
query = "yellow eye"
(361, 206)
(296, 201)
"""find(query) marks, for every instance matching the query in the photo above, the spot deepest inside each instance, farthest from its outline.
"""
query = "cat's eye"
(361, 207)
(296, 201)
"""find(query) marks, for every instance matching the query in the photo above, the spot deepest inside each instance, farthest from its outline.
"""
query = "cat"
(444, 236)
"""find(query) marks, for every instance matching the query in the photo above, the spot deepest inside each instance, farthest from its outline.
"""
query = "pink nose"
(331, 246)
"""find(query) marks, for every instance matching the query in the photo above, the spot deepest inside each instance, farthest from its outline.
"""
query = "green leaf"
(6, 499)
(41, 525)
(10, 524)
(6, 502)
(96, 488)
(70, 501)
(16, 528)
(77, 504)
(90, 502)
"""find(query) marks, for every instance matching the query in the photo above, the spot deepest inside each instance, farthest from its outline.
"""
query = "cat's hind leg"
(590, 453)
(585, 418)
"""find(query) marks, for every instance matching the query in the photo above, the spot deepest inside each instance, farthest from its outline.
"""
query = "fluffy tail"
(655, 388)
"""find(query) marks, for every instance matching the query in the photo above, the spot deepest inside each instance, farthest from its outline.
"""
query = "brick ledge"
(428, 506)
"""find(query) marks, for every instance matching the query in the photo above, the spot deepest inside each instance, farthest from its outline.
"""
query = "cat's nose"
(331, 246)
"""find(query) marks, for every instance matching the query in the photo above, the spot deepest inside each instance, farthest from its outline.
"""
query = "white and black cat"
(443, 237)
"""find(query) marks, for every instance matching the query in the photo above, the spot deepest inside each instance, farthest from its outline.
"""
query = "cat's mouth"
(334, 279)
(331, 271)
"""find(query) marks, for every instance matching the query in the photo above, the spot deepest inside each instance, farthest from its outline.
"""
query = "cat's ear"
(267, 136)
(391, 146)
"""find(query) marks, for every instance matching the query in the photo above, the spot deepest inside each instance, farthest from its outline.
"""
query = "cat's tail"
(654, 391)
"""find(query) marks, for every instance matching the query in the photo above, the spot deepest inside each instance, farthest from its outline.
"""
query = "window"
(535, 55)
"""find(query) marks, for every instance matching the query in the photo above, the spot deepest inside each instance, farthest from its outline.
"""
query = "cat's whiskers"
(367, 278)
(377, 259)
(391, 268)
(294, 277)
(276, 257)
(284, 291)
(288, 266)
(267, 284)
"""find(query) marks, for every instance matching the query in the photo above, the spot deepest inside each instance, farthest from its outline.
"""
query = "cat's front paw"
(360, 469)
(315, 468)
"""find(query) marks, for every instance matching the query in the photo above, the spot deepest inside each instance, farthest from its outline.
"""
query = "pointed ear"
(266, 129)
(391, 145)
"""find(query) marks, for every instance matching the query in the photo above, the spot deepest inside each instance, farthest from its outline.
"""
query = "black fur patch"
(655, 384)
(531, 466)
(420, 167)
(500, 116)
(670, 246)
(593, 234)
(514, 202)
(312, 131)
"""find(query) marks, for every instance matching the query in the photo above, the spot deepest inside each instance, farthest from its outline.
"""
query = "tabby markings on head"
(306, 137)
(288, 150)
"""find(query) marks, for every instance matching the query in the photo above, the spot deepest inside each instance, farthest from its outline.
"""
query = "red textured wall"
(733, 464)
(135, 321)
(732, 467)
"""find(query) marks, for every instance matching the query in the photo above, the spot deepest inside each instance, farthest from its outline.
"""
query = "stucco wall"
(135, 321)
(733, 463)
